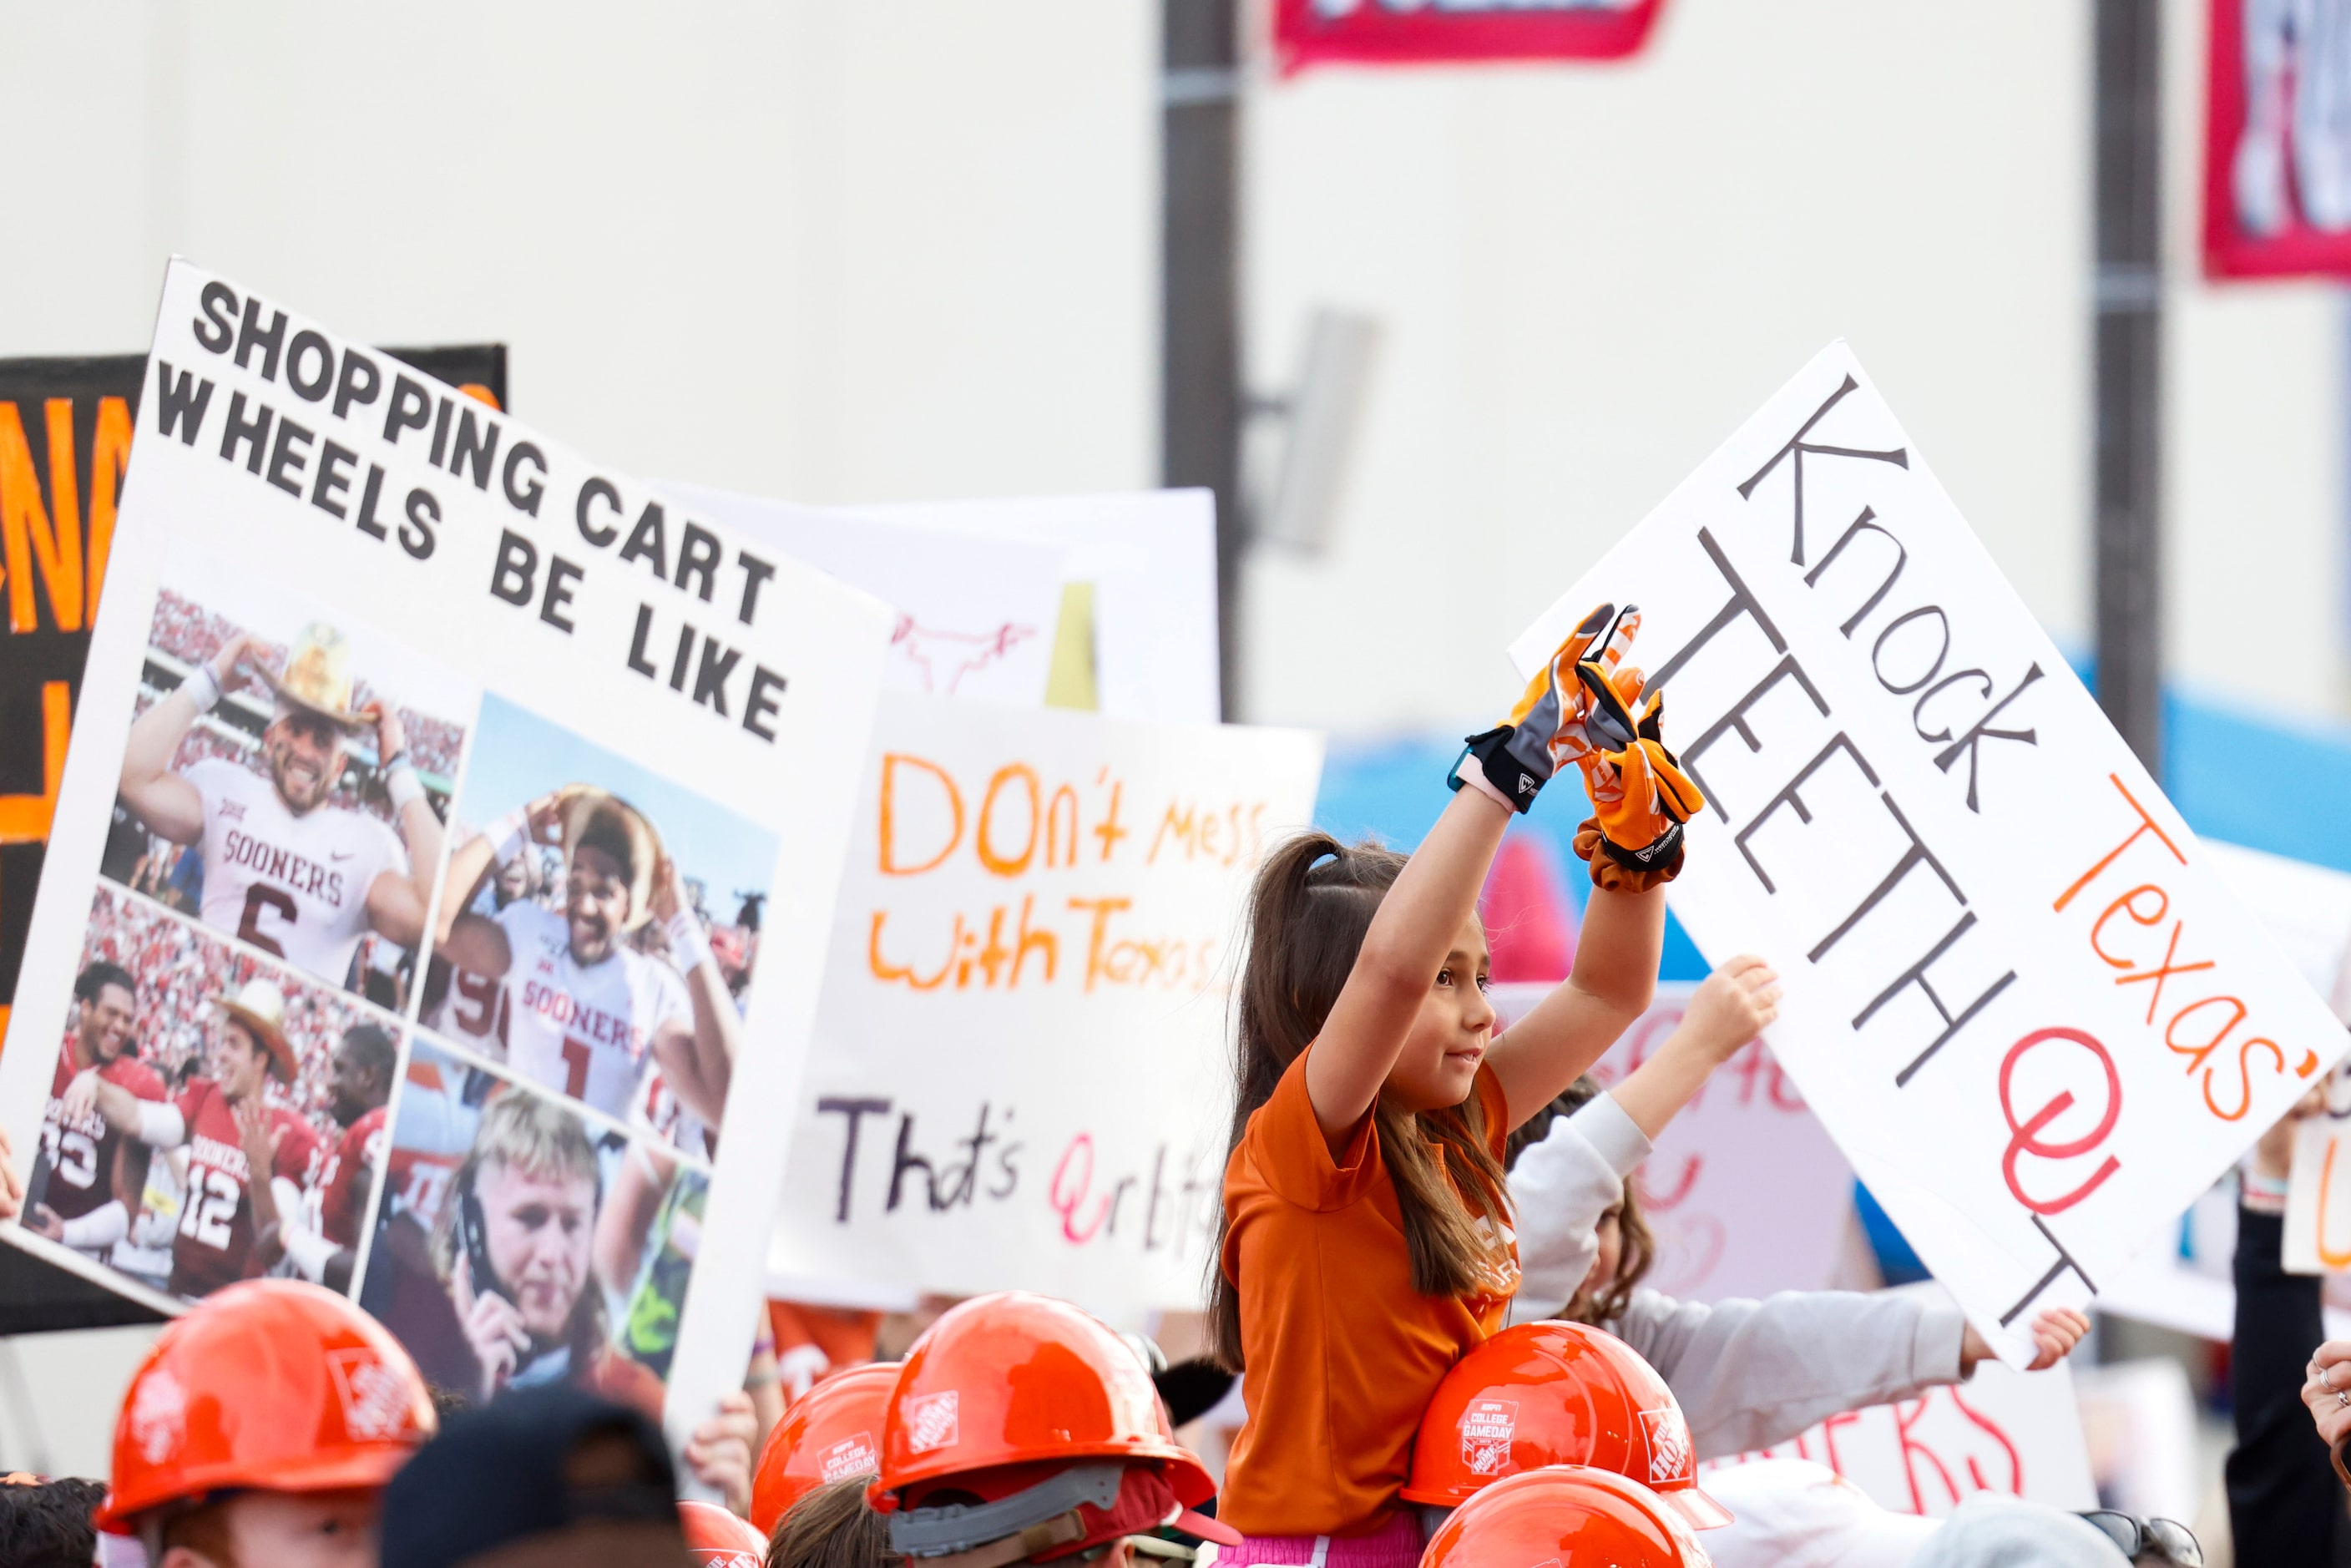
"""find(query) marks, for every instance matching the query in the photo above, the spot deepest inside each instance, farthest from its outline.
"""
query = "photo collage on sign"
(504, 984)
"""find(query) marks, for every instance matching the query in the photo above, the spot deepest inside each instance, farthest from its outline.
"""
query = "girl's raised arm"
(1417, 925)
(1614, 978)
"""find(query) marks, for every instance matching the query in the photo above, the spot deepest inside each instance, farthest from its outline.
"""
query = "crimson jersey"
(82, 1155)
(350, 1170)
(215, 1240)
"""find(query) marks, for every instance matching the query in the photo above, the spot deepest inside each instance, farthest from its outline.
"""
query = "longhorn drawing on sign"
(946, 657)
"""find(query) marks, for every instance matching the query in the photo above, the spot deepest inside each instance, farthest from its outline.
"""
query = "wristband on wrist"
(203, 686)
(101, 1227)
(686, 943)
(400, 782)
(2262, 1194)
(309, 1251)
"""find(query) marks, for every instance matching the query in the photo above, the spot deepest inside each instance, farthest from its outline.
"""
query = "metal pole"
(2129, 331)
(1201, 407)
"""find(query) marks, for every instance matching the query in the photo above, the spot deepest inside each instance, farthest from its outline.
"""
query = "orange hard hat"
(274, 1385)
(1556, 1393)
(1574, 1515)
(830, 1433)
(1012, 1379)
(716, 1539)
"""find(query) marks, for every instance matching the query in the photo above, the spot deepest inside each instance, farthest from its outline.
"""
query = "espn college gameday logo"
(1487, 1428)
(854, 1456)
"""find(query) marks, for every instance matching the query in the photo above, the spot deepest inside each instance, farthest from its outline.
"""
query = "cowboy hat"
(596, 816)
(260, 1006)
(318, 677)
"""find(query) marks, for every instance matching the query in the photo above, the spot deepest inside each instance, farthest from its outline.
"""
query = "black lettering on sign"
(1795, 453)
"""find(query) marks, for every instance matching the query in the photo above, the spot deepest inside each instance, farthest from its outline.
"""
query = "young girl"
(1748, 1375)
(1367, 1242)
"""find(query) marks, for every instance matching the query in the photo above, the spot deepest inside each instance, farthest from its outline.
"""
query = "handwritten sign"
(2318, 1190)
(1150, 558)
(2019, 995)
(1020, 1075)
(337, 591)
(1746, 1193)
(2004, 1431)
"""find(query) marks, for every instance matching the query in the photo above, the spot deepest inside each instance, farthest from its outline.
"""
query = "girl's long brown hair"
(1310, 907)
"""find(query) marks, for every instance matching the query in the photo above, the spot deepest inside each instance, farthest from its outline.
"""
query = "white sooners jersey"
(295, 886)
(582, 1030)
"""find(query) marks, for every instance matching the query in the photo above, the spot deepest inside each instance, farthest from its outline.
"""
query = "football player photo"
(545, 1245)
(576, 944)
(204, 1109)
(286, 779)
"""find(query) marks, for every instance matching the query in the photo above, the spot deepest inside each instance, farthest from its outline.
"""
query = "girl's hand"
(2328, 1391)
(2056, 1332)
(1729, 1008)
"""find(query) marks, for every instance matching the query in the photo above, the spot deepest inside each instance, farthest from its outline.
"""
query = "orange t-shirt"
(1342, 1354)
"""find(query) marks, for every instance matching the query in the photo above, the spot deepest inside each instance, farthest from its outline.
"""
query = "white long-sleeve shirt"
(1559, 1187)
(1746, 1373)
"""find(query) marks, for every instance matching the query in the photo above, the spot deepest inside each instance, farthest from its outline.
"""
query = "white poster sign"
(976, 613)
(2318, 1188)
(1022, 1077)
(447, 846)
(1746, 1193)
(2015, 1433)
(2019, 995)
(1151, 556)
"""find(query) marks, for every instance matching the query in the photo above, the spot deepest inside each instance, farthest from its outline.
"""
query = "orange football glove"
(1640, 796)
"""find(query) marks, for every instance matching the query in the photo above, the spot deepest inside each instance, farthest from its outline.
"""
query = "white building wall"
(858, 252)
(828, 251)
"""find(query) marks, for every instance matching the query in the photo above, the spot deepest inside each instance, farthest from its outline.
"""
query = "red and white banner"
(2277, 144)
(1417, 32)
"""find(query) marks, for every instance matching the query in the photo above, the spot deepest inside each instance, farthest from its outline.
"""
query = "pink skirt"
(1395, 1545)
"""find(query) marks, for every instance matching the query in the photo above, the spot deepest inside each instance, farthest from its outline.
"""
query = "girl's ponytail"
(1309, 910)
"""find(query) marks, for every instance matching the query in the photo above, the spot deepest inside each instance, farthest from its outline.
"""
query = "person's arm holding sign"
(474, 943)
(699, 1060)
(170, 806)
(156, 1123)
(396, 903)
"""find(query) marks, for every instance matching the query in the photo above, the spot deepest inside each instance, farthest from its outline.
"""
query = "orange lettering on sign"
(24, 819)
(109, 457)
(891, 762)
(29, 541)
(2333, 1260)
(2208, 1021)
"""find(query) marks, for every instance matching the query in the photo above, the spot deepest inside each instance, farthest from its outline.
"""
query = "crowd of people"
(1430, 1286)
